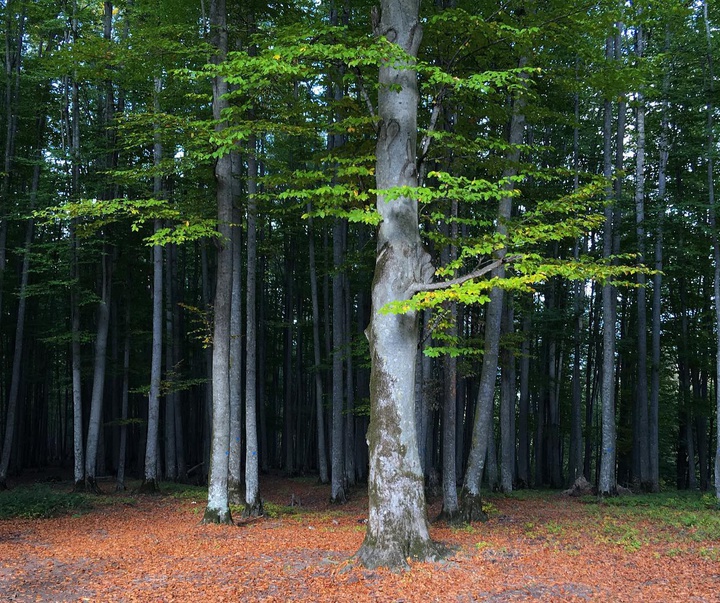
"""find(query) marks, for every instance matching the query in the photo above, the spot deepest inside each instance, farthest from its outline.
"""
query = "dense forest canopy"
(465, 244)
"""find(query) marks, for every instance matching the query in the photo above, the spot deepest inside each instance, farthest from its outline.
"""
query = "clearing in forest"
(535, 546)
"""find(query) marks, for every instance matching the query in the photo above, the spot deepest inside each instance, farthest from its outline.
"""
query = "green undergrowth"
(690, 516)
(40, 500)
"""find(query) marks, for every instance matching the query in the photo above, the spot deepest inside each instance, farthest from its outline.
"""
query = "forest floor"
(536, 546)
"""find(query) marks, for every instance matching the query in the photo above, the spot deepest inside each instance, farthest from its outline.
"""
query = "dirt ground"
(548, 548)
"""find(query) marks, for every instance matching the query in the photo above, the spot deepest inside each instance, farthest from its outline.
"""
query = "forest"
(419, 249)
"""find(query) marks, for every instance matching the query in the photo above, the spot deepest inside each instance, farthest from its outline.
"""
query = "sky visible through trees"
(419, 247)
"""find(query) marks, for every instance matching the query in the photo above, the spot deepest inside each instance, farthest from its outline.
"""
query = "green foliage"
(40, 501)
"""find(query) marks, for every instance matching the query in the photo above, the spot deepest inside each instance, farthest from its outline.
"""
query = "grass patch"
(40, 500)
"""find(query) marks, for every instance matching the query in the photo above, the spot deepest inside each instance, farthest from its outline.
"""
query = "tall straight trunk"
(317, 354)
(337, 456)
(253, 504)
(122, 454)
(716, 239)
(523, 459)
(288, 434)
(13, 65)
(507, 405)
(654, 409)
(575, 455)
(171, 397)
(98, 386)
(397, 526)
(451, 504)
(607, 483)
(349, 435)
(218, 508)
(74, 141)
(152, 454)
(12, 401)
(471, 505)
(641, 452)
(235, 485)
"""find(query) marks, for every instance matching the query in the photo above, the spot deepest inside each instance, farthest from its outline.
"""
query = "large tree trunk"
(397, 524)
(235, 485)
(253, 504)
(218, 508)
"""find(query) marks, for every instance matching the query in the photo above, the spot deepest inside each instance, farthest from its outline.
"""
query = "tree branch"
(423, 287)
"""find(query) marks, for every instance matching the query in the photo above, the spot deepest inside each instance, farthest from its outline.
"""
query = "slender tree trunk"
(641, 453)
(607, 485)
(218, 508)
(12, 402)
(337, 470)
(654, 409)
(471, 505)
(349, 435)
(122, 454)
(253, 504)
(235, 484)
(523, 476)
(507, 405)
(171, 396)
(98, 387)
(152, 454)
(397, 524)
(317, 352)
(716, 239)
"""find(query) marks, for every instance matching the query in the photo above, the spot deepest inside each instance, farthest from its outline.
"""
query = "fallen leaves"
(536, 549)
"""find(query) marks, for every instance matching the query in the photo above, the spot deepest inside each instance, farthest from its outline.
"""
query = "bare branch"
(366, 97)
(423, 287)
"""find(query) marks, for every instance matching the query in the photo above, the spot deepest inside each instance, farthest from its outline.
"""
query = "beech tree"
(397, 524)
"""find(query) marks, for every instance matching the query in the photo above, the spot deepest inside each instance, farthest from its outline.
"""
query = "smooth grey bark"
(507, 404)
(641, 452)
(98, 386)
(349, 435)
(654, 409)
(12, 401)
(337, 450)
(235, 483)
(74, 142)
(716, 239)
(575, 461)
(218, 508)
(451, 505)
(523, 453)
(607, 484)
(152, 456)
(317, 354)
(397, 528)
(253, 503)
(471, 505)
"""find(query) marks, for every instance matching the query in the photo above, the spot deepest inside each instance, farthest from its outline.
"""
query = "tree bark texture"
(397, 524)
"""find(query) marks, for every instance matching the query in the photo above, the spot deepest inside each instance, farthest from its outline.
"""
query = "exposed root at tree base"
(471, 508)
(452, 518)
(217, 516)
(254, 509)
(396, 556)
